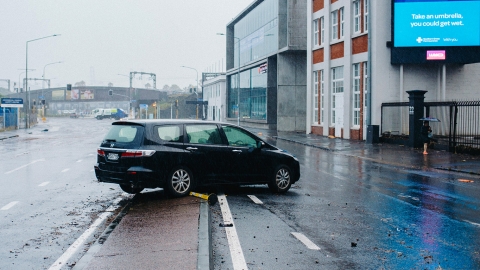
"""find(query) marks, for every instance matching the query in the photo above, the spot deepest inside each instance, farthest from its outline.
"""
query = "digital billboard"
(452, 26)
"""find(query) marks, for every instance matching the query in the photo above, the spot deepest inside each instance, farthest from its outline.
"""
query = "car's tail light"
(138, 153)
(100, 152)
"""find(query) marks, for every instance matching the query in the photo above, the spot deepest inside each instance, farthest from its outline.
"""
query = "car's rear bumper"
(138, 176)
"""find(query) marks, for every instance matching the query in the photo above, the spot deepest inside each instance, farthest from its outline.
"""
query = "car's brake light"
(100, 152)
(139, 153)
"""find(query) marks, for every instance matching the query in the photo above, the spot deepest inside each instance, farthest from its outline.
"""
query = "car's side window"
(237, 137)
(170, 133)
(203, 134)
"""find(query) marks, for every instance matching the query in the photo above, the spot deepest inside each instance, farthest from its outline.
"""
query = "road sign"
(12, 103)
(143, 106)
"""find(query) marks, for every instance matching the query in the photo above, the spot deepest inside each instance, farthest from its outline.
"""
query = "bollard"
(211, 199)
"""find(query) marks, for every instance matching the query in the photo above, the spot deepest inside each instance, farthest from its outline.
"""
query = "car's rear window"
(124, 134)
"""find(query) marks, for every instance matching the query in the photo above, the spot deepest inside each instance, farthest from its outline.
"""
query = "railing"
(458, 131)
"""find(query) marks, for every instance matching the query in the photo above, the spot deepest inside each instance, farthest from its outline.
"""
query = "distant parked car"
(74, 115)
(179, 155)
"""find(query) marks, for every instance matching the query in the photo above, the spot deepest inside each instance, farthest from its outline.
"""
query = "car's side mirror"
(260, 144)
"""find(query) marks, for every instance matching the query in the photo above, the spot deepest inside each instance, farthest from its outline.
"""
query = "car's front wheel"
(130, 189)
(282, 180)
(179, 182)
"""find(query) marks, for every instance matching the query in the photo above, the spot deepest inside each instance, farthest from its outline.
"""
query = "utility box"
(373, 133)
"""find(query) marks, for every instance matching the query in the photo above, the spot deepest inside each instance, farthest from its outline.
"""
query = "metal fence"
(458, 131)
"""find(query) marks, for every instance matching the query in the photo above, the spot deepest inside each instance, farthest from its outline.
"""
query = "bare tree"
(110, 84)
(148, 85)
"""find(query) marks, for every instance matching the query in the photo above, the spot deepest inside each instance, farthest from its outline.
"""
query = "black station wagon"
(179, 155)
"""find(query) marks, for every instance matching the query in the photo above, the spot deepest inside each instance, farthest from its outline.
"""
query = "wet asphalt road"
(49, 194)
(362, 215)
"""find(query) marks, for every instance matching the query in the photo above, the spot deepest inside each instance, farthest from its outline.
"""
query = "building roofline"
(244, 12)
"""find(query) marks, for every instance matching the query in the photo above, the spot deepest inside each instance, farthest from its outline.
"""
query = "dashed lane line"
(80, 160)
(305, 241)
(66, 170)
(44, 184)
(23, 166)
(8, 206)
(255, 199)
(238, 259)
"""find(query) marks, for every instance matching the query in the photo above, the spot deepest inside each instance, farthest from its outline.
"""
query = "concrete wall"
(297, 25)
(291, 92)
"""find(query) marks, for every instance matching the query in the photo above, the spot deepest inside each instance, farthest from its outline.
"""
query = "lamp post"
(18, 89)
(43, 75)
(238, 78)
(129, 96)
(27, 95)
(196, 90)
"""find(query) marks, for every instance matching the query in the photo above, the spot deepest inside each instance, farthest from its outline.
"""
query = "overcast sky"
(102, 38)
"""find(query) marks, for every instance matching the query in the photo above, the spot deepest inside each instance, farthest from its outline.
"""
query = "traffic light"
(110, 92)
(69, 87)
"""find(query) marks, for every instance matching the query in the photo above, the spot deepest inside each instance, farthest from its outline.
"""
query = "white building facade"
(214, 92)
(349, 67)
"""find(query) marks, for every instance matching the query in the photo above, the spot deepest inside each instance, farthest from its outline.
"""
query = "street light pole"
(196, 90)
(238, 79)
(27, 94)
(43, 75)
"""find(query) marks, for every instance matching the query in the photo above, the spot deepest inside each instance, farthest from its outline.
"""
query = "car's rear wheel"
(282, 180)
(179, 182)
(130, 189)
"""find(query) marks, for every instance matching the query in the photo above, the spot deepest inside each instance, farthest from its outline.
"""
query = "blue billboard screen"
(436, 23)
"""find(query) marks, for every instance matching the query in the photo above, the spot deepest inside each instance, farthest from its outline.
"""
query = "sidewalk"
(391, 154)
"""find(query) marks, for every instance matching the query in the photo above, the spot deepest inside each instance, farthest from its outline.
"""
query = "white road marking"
(21, 167)
(44, 184)
(236, 252)
(255, 199)
(305, 241)
(473, 223)
(62, 261)
(66, 170)
(79, 160)
(8, 206)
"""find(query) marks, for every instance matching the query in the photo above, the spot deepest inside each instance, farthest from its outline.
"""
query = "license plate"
(112, 156)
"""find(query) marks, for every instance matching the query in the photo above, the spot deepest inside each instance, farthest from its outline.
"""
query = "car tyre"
(179, 182)
(130, 189)
(282, 180)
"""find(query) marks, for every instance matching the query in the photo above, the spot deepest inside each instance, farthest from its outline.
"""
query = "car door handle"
(237, 151)
(192, 148)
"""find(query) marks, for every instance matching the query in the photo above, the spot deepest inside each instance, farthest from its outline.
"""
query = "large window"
(256, 35)
(338, 21)
(319, 31)
(315, 97)
(253, 95)
(356, 16)
(365, 84)
(337, 79)
(365, 15)
(322, 97)
(356, 95)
